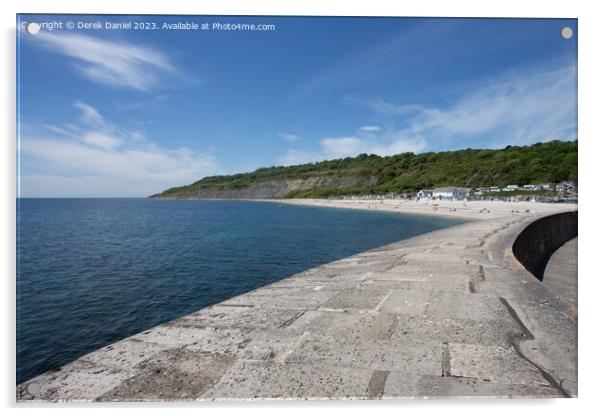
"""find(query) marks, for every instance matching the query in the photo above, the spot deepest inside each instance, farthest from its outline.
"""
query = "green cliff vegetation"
(554, 162)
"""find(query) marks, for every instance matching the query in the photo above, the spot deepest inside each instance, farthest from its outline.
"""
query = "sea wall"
(443, 314)
(540, 239)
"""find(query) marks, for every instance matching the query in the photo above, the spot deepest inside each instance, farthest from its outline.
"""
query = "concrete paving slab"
(315, 283)
(365, 298)
(417, 271)
(173, 375)
(255, 345)
(272, 380)
(440, 257)
(373, 326)
(406, 302)
(175, 336)
(453, 285)
(464, 307)
(493, 363)
(385, 355)
(238, 317)
(80, 381)
(428, 387)
(123, 355)
(281, 299)
(472, 331)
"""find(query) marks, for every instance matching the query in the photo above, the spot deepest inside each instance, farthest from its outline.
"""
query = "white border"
(589, 183)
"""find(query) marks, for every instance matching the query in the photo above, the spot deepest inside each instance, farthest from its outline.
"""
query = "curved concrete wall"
(540, 239)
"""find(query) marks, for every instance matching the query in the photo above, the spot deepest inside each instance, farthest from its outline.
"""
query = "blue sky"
(132, 112)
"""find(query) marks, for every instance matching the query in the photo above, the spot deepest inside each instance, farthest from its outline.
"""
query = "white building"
(425, 193)
(448, 193)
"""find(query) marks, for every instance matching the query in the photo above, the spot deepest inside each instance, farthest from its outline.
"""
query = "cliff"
(271, 189)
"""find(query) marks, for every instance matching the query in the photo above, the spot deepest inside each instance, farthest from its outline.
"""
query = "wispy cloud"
(101, 140)
(516, 108)
(384, 107)
(147, 102)
(90, 115)
(370, 129)
(400, 50)
(114, 63)
(95, 157)
(289, 137)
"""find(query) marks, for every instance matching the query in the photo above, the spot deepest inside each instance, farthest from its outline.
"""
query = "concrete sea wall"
(540, 239)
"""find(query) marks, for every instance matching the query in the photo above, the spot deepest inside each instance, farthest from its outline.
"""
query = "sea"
(93, 271)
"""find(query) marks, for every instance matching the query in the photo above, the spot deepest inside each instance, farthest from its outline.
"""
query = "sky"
(130, 112)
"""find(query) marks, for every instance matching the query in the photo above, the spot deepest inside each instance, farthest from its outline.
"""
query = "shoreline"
(470, 210)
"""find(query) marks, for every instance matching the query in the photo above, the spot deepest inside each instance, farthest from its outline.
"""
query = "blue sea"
(93, 271)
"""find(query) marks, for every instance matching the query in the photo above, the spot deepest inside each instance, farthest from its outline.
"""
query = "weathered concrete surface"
(560, 274)
(540, 239)
(447, 314)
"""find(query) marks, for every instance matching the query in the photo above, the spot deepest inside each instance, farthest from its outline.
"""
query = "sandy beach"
(472, 210)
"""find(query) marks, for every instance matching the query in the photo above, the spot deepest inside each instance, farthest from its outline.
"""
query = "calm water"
(93, 271)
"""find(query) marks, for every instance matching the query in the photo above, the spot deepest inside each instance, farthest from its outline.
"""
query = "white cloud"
(118, 64)
(341, 147)
(64, 130)
(383, 107)
(387, 145)
(103, 161)
(101, 140)
(90, 115)
(539, 106)
(370, 129)
(297, 157)
(536, 105)
(289, 137)
(151, 163)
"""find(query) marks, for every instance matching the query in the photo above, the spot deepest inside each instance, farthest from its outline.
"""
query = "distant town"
(565, 191)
